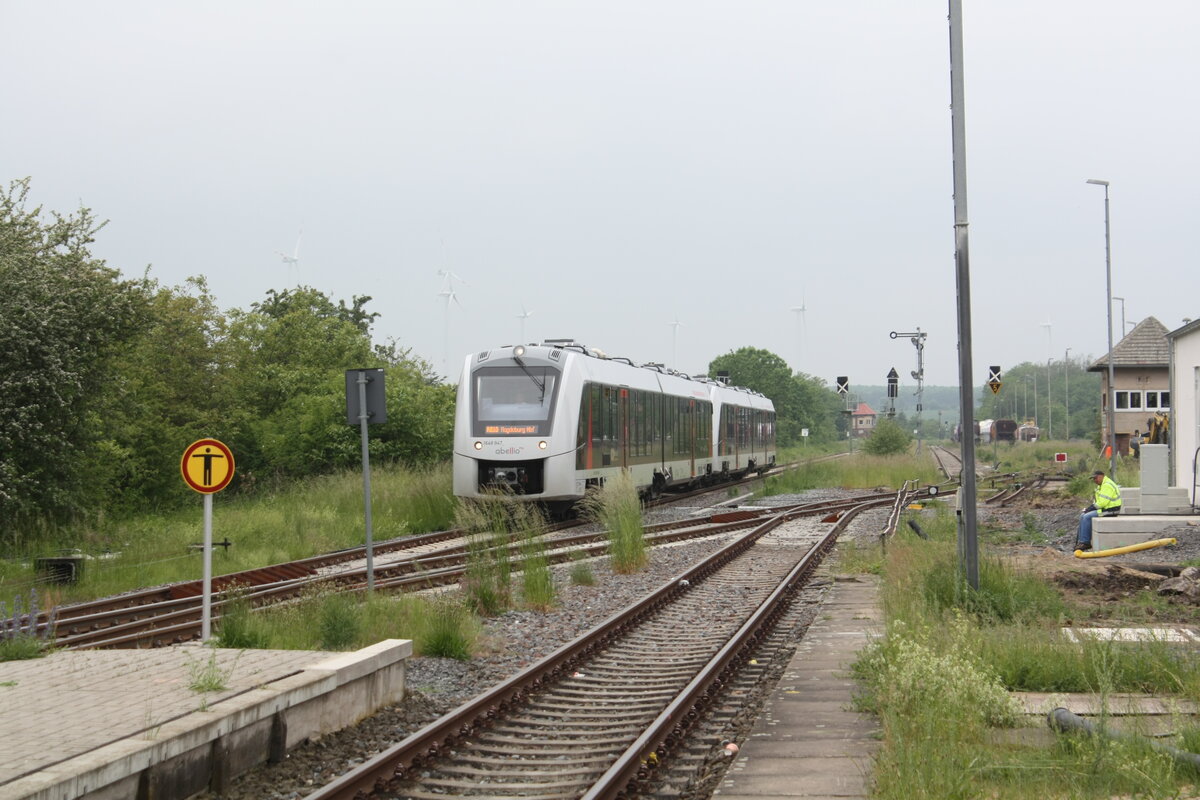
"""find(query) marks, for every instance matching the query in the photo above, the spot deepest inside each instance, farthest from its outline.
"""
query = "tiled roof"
(1145, 346)
(863, 410)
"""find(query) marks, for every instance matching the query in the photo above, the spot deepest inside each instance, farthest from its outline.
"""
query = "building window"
(1158, 401)
(1122, 401)
(1129, 401)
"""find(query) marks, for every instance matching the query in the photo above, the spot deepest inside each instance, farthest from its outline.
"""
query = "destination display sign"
(511, 430)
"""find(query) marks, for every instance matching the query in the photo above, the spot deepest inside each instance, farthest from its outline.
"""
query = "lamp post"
(1112, 394)
(1049, 397)
(1067, 390)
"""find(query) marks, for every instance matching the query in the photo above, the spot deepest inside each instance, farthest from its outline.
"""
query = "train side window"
(704, 421)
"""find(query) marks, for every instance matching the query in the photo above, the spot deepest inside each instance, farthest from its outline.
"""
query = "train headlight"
(479, 445)
(542, 445)
(519, 350)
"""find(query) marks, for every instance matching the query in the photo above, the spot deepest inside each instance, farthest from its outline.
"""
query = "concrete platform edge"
(190, 751)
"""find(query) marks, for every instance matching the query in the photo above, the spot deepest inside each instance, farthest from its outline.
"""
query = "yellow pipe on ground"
(1129, 548)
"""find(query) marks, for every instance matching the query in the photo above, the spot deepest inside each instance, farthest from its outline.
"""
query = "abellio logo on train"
(504, 451)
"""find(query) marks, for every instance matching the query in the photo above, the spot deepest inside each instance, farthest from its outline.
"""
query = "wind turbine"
(524, 315)
(293, 261)
(447, 292)
(799, 310)
(675, 326)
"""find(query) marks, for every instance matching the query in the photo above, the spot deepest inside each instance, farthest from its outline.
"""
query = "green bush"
(887, 439)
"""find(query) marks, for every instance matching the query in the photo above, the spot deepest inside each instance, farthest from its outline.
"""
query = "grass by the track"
(315, 516)
(940, 680)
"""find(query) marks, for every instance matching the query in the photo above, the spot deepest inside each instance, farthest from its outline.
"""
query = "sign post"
(366, 402)
(207, 467)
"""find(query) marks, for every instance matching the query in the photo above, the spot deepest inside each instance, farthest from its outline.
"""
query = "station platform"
(1126, 529)
(108, 724)
(808, 742)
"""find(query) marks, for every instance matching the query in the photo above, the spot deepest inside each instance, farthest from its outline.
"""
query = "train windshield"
(514, 401)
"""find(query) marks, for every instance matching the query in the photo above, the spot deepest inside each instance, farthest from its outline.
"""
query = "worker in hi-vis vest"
(1107, 501)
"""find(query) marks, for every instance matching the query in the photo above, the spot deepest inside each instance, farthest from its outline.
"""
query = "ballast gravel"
(509, 643)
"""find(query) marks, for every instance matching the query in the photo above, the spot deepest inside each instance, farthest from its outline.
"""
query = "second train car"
(550, 421)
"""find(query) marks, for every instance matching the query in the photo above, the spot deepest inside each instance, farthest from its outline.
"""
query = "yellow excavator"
(1158, 429)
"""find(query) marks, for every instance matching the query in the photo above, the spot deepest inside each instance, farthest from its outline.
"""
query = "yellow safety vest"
(1108, 495)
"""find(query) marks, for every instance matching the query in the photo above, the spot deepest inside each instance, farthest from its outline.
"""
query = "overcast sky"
(612, 168)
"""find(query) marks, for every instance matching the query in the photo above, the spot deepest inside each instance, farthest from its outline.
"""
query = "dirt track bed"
(1112, 588)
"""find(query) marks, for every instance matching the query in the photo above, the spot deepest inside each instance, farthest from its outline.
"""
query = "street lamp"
(1112, 394)
(1121, 300)
(1049, 398)
(1067, 390)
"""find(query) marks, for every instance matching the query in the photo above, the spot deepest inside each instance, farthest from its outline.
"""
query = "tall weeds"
(618, 509)
(494, 523)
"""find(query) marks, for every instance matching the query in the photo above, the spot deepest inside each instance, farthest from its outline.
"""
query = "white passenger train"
(550, 421)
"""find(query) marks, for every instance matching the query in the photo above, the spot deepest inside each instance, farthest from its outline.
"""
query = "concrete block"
(1126, 529)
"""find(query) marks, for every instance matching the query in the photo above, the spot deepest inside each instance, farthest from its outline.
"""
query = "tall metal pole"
(1049, 401)
(968, 542)
(206, 585)
(1049, 396)
(1112, 392)
(1067, 396)
(366, 460)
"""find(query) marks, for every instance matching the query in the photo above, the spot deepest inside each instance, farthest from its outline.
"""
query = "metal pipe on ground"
(1064, 721)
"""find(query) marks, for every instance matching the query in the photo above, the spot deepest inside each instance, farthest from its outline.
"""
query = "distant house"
(1141, 380)
(862, 420)
(1185, 422)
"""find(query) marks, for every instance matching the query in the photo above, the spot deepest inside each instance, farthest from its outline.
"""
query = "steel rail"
(176, 620)
(94, 613)
(442, 735)
(670, 727)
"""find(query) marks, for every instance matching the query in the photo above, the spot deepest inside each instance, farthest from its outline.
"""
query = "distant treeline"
(104, 382)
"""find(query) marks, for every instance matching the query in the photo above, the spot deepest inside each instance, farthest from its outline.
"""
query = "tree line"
(104, 381)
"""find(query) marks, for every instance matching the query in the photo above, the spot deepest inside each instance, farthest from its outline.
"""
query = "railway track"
(178, 619)
(172, 614)
(606, 715)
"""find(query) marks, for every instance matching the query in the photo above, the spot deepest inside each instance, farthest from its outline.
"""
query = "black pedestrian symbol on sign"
(208, 456)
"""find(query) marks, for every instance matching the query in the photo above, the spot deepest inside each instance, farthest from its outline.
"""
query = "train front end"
(511, 428)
